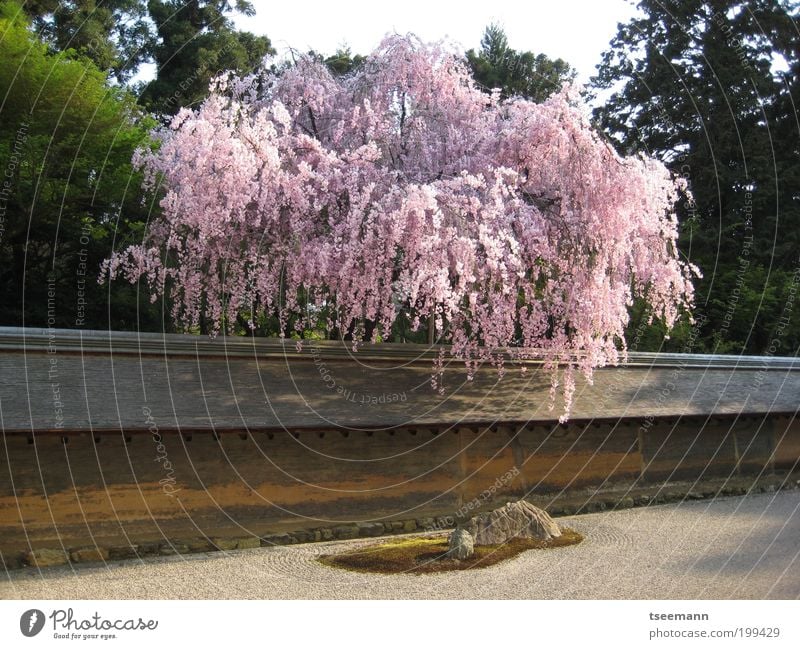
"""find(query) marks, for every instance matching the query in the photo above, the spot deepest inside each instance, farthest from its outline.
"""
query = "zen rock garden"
(481, 541)
(515, 520)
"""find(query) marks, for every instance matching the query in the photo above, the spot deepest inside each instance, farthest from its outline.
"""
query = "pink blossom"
(404, 187)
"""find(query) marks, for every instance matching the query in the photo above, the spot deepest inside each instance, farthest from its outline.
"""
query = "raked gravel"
(738, 548)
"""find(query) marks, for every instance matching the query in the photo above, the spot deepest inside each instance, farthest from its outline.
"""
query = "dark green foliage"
(114, 34)
(344, 62)
(694, 82)
(69, 194)
(524, 74)
(197, 41)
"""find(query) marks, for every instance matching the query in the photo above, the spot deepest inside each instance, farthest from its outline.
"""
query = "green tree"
(197, 41)
(695, 83)
(344, 61)
(68, 194)
(524, 74)
(115, 35)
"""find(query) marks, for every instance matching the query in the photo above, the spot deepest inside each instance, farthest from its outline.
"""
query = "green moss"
(420, 555)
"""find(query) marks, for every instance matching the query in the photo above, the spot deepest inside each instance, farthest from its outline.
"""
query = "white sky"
(577, 31)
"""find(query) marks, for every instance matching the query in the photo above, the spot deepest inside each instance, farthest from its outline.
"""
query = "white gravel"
(737, 548)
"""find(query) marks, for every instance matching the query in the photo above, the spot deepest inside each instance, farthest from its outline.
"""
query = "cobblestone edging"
(567, 505)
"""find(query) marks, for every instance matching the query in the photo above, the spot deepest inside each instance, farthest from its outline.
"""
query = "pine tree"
(524, 74)
(695, 83)
(197, 41)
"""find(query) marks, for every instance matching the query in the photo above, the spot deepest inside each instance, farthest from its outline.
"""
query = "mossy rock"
(420, 555)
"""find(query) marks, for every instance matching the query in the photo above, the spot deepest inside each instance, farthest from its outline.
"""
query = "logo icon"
(31, 622)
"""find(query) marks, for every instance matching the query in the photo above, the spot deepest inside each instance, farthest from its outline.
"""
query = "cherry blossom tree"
(404, 188)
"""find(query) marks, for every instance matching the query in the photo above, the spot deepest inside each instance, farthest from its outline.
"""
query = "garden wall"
(127, 446)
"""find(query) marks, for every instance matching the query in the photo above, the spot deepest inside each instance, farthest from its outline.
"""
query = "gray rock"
(462, 545)
(248, 542)
(147, 549)
(370, 529)
(44, 557)
(304, 536)
(514, 520)
(82, 555)
(123, 552)
(224, 544)
(168, 549)
(345, 531)
(200, 545)
(409, 525)
(11, 562)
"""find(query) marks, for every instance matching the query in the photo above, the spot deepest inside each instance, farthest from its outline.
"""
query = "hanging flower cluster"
(403, 187)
